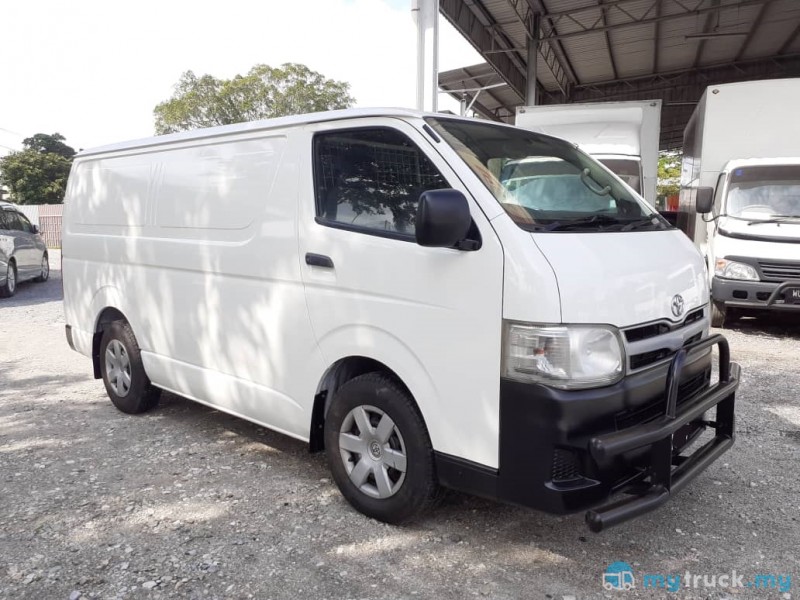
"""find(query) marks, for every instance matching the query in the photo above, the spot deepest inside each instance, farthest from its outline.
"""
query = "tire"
(123, 373)
(380, 489)
(45, 273)
(718, 314)
(9, 288)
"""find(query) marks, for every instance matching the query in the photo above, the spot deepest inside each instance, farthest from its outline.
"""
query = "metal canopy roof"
(594, 50)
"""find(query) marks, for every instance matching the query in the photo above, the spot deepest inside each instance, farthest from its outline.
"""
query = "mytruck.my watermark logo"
(620, 576)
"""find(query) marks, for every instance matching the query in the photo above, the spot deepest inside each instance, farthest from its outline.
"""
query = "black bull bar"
(669, 473)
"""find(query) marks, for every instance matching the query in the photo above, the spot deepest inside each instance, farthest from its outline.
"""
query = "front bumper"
(758, 295)
(567, 451)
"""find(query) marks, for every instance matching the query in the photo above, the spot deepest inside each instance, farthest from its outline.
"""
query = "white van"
(361, 280)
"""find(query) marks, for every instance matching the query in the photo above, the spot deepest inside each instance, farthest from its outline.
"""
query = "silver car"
(23, 253)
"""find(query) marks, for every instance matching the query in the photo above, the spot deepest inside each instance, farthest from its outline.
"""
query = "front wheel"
(123, 373)
(379, 451)
(718, 314)
(44, 274)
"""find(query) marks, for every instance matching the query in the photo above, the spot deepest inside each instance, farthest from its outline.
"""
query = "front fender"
(383, 346)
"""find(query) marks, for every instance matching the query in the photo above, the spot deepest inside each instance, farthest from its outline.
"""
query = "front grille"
(686, 391)
(643, 332)
(695, 338)
(565, 466)
(692, 317)
(646, 331)
(644, 359)
(779, 271)
(648, 358)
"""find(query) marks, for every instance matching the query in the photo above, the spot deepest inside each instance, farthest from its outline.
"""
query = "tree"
(38, 173)
(264, 92)
(669, 172)
(42, 143)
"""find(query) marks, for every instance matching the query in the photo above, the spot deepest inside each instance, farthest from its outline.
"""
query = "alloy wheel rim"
(118, 368)
(373, 452)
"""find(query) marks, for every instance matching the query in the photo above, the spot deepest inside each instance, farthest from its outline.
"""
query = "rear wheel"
(379, 451)
(45, 272)
(9, 288)
(123, 373)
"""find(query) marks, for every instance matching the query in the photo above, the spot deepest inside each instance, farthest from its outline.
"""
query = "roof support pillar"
(426, 17)
(531, 98)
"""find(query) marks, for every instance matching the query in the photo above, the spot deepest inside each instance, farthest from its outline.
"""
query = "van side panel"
(204, 266)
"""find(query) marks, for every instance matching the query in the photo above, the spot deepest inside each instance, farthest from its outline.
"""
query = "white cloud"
(93, 70)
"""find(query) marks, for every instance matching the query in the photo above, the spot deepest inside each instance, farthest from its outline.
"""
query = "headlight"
(562, 356)
(730, 269)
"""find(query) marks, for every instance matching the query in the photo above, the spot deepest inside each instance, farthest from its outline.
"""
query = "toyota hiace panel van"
(367, 281)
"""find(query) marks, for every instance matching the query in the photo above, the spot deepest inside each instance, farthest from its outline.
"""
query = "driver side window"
(370, 179)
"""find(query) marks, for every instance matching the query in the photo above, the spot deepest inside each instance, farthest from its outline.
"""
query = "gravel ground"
(189, 502)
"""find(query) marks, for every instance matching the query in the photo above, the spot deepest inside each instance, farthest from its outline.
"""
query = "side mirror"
(35, 229)
(704, 199)
(443, 218)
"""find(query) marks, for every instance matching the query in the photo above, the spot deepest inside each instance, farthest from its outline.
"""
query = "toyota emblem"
(677, 305)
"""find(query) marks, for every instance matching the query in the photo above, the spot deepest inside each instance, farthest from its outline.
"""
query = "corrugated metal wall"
(48, 218)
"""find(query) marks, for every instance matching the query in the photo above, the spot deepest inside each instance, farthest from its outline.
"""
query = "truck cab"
(754, 262)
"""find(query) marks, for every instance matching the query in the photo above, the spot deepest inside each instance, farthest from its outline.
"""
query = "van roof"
(262, 125)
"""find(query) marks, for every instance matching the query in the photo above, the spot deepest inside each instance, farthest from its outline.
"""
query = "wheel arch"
(105, 317)
(336, 375)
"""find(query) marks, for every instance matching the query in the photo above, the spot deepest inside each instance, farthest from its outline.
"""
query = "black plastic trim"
(319, 260)
(432, 133)
(788, 284)
(392, 235)
(758, 238)
(70, 341)
(657, 437)
(461, 474)
(537, 423)
(722, 290)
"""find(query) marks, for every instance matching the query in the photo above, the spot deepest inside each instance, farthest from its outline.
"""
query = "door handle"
(319, 260)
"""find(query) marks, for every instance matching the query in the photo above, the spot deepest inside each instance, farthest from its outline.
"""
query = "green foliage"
(38, 173)
(42, 143)
(264, 92)
(669, 172)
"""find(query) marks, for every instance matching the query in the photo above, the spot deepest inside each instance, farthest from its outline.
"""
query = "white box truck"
(362, 280)
(740, 195)
(621, 135)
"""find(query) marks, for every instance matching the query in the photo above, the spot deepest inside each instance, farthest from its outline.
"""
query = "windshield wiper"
(587, 222)
(775, 219)
(651, 220)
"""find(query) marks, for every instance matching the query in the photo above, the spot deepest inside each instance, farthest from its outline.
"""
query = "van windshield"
(764, 193)
(544, 183)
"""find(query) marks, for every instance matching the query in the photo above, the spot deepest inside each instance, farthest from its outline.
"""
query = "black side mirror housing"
(704, 199)
(35, 229)
(443, 218)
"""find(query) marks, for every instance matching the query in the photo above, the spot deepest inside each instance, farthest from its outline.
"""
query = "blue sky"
(94, 70)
